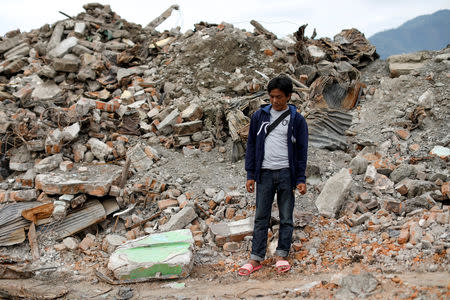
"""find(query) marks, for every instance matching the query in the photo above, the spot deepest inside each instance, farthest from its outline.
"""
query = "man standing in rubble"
(276, 160)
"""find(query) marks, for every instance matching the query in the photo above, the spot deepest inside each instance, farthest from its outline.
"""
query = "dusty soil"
(219, 281)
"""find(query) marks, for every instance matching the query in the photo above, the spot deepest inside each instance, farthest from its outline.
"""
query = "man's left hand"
(301, 188)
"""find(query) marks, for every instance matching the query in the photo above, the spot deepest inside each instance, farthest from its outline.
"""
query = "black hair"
(283, 83)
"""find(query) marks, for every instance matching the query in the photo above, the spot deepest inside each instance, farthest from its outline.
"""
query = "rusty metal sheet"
(327, 128)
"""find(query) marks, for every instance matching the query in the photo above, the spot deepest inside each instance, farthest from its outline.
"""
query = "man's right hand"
(250, 185)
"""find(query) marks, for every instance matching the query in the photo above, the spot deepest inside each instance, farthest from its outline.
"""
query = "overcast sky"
(284, 17)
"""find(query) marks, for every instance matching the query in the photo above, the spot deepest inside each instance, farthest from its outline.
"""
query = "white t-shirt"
(275, 147)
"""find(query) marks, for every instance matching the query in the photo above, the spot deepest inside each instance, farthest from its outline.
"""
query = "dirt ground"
(219, 281)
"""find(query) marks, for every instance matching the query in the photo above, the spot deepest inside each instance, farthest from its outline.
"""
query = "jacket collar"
(267, 108)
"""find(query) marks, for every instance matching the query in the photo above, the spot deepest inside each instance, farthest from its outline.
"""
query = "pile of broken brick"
(82, 102)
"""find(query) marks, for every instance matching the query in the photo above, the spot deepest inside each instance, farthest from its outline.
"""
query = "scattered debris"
(113, 136)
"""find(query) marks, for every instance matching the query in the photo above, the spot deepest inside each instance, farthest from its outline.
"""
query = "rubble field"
(122, 163)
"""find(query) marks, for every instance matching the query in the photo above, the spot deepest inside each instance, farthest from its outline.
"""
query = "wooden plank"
(91, 213)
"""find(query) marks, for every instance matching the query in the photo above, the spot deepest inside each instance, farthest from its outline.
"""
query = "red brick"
(383, 164)
(402, 187)
(230, 212)
(212, 204)
(268, 52)
(414, 147)
(163, 204)
(297, 246)
(404, 236)
(394, 206)
(86, 243)
(445, 189)
(403, 134)
(374, 227)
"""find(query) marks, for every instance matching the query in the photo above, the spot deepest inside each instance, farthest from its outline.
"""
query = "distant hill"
(427, 32)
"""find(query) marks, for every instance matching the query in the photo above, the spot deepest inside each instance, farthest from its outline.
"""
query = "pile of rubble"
(91, 107)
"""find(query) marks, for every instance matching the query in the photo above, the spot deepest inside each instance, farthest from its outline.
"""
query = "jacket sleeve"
(301, 149)
(250, 152)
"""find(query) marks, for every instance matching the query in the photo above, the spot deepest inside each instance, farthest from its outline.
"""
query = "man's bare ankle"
(254, 262)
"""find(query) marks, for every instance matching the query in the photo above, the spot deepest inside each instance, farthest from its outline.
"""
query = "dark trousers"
(279, 182)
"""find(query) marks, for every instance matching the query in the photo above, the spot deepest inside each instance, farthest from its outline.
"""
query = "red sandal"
(248, 269)
(282, 266)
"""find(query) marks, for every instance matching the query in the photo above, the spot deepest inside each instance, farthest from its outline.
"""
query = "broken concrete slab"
(90, 179)
(397, 69)
(18, 51)
(140, 160)
(13, 65)
(56, 37)
(180, 219)
(71, 132)
(403, 171)
(63, 47)
(333, 193)
(46, 91)
(166, 125)
(165, 255)
(192, 112)
(80, 27)
(49, 163)
(371, 174)
(188, 128)
(21, 159)
(65, 65)
(357, 286)
(234, 231)
(18, 195)
(100, 149)
(125, 72)
(10, 43)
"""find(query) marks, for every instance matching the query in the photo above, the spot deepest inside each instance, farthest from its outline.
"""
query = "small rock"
(71, 243)
(403, 134)
(370, 174)
(87, 242)
(111, 241)
(231, 247)
(358, 165)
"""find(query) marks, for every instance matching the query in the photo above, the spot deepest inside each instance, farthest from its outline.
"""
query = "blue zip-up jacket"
(297, 140)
